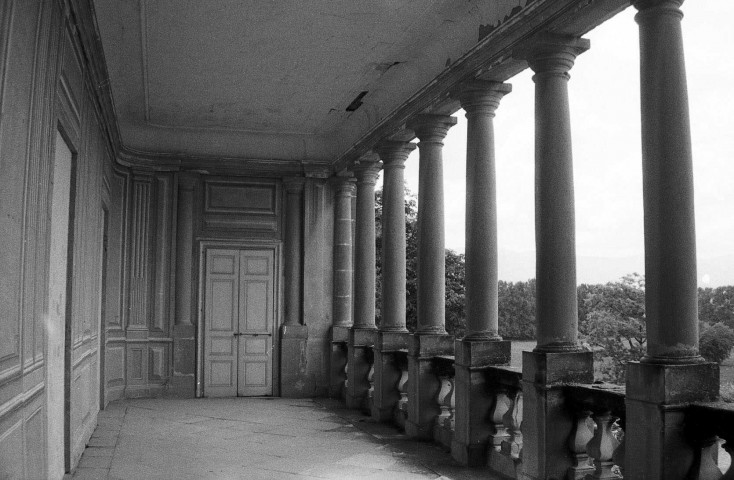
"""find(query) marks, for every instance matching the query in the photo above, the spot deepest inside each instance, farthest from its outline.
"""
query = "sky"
(605, 123)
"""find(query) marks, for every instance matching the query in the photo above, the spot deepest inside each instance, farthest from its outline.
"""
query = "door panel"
(256, 322)
(221, 322)
(238, 320)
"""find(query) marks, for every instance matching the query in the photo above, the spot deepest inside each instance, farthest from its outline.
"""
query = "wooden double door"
(239, 311)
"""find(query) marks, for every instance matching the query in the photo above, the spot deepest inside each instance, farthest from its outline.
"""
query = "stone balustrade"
(504, 448)
(596, 442)
(400, 414)
(443, 429)
(706, 425)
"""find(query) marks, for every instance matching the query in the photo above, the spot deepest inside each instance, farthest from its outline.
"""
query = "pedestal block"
(293, 360)
(361, 340)
(656, 446)
(423, 384)
(387, 374)
(547, 423)
(474, 398)
(338, 360)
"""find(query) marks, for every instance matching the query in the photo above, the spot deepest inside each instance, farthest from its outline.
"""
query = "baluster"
(582, 434)
(502, 404)
(705, 467)
(371, 380)
(452, 404)
(402, 406)
(346, 376)
(444, 401)
(620, 451)
(512, 446)
(729, 447)
(602, 445)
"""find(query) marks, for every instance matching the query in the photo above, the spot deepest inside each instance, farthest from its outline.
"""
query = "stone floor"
(255, 438)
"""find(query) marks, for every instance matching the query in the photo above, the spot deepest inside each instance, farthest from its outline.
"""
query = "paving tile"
(90, 474)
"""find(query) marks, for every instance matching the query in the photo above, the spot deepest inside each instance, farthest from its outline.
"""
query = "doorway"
(239, 311)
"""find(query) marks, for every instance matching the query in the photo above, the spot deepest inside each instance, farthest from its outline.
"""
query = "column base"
(656, 445)
(547, 423)
(184, 362)
(474, 398)
(338, 360)
(423, 384)
(359, 350)
(387, 374)
(293, 361)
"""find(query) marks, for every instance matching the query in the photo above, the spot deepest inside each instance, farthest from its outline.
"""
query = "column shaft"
(343, 268)
(480, 101)
(557, 308)
(293, 248)
(365, 256)
(671, 304)
(393, 154)
(431, 130)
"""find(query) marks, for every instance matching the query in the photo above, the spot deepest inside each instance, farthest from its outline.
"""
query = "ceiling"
(272, 80)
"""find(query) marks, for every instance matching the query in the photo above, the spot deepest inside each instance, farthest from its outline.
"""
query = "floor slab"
(256, 438)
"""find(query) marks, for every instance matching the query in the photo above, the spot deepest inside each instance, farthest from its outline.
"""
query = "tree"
(716, 342)
(455, 316)
(614, 324)
(517, 310)
(716, 305)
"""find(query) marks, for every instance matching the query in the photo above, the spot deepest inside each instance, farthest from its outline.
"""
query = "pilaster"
(184, 330)
(293, 333)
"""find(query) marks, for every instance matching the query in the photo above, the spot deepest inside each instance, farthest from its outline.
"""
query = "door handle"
(253, 334)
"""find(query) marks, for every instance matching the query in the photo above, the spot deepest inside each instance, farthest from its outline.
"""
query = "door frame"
(216, 244)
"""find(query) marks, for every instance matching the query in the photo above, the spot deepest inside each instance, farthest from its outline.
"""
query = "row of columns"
(670, 260)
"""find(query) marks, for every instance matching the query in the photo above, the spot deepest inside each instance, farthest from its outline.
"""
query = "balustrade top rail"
(597, 398)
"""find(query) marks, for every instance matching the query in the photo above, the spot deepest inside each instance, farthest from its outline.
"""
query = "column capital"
(394, 152)
(481, 96)
(345, 186)
(367, 168)
(653, 8)
(294, 184)
(431, 128)
(552, 54)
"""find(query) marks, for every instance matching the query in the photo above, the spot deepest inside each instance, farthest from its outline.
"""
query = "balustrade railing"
(401, 408)
(369, 355)
(504, 449)
(707, 425)
(443, 429)
(597, 439)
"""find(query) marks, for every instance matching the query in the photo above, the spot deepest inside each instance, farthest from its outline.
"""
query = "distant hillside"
(515, 266)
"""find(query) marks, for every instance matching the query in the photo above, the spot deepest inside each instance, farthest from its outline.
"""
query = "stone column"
(672, 373)
(343, 282)
(364, 331)
(558, 358)
(392, 335)
(482, 346)
(184, 330)
(430, 338)
(293, 332)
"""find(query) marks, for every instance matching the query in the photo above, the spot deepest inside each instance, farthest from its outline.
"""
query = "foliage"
(716, 342)
(614, 324)
(517, 310)
(716, 305)
(455, 317)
